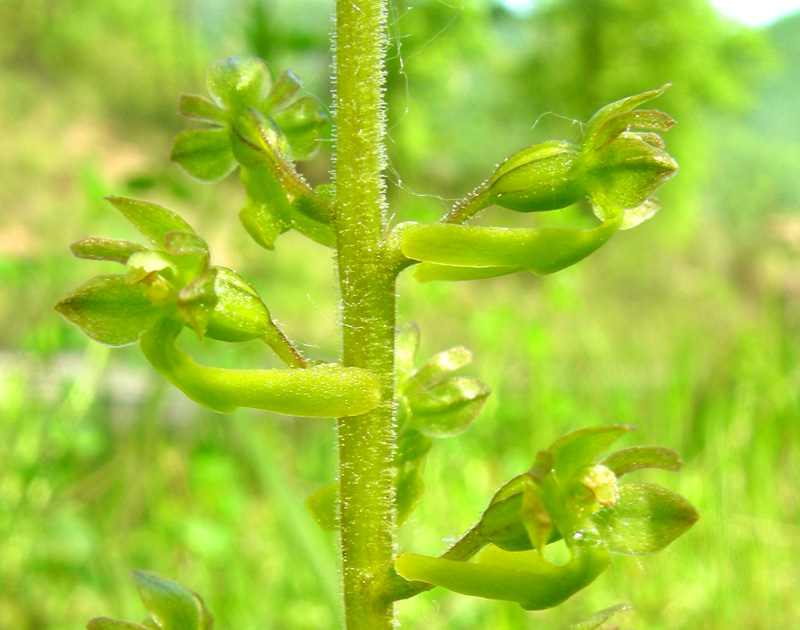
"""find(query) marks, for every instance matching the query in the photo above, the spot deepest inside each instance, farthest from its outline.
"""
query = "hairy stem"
(366, 442)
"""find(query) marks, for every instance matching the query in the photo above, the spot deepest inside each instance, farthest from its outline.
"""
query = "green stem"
(468, 207)
(366, 442)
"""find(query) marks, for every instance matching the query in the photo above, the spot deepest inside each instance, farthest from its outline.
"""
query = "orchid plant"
(391, 408)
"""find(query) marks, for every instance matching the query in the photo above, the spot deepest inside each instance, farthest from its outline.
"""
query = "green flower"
(570, 493)
(170, 279)
(619, 165)
(242, 87)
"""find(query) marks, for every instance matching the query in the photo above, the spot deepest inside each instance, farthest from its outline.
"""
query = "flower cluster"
(572, 494)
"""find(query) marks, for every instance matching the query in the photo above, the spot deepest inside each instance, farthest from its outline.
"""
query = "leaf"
(596, 620)
(325, 391)
(436, 368)
(628, 460)
(520, 576)
(542, 251)
(152, 221)
(102, 248)
(645, 519)
(109, 311)
(322, 505)
(448, 408)
(172, 606)
(580, 448)
(205, 154)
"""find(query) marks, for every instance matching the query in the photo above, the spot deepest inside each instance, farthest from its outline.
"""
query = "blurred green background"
(686, 327)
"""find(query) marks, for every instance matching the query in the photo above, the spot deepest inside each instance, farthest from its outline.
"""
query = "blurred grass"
(104, 469)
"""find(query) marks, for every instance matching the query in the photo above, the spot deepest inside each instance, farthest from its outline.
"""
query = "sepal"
(102, 248)
(645, 519)
(150, 219)
(303, 123)
(205, 154)
(200, 108)
(109, 310)
(237, 83)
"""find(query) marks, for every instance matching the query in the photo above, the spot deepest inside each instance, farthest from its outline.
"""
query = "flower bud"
(542, 177)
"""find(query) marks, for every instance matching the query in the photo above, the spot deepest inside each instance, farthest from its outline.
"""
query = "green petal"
(200, 108)
(623, 105)
(286, 87)
(205, 154)
(197, 300)
(102, 248)
(637, 120)
(628, 460)
(109, 311)
(581, 448)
